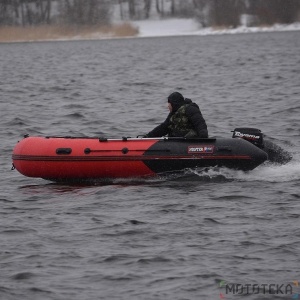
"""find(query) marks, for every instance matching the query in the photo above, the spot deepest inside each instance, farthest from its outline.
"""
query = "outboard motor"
(253, 135)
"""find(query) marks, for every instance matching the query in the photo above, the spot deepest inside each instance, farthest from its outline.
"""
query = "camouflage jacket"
(187, 121)
(180, 125)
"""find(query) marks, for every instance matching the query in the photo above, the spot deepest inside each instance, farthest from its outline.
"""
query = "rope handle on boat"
(124, 150)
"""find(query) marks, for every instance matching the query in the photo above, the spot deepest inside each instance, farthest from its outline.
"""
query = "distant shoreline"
(137, 29)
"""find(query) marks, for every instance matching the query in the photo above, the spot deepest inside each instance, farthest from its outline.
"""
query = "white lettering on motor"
(246, 135)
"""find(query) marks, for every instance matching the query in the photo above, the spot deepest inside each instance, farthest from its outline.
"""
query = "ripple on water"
(172, 237)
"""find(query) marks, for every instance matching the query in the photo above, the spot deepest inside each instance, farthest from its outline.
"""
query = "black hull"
(177, 154)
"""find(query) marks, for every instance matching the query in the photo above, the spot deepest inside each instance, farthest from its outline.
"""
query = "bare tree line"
(20, 12)
(94, 12)
(34, 12)
(263, 12)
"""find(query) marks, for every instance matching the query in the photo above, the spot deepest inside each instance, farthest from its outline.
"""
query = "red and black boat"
(81, 158)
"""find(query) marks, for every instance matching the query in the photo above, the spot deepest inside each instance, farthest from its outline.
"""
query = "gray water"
(161, 238)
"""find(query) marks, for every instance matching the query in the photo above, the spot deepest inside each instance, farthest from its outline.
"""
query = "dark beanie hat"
(175, 98)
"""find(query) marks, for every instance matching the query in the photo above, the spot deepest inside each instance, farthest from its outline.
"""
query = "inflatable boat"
(81, 158)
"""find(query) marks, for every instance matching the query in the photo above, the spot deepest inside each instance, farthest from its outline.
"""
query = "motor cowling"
(252, 135)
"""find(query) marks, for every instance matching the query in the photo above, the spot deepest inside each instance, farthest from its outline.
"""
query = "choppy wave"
(265, 173)
(171, 237)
